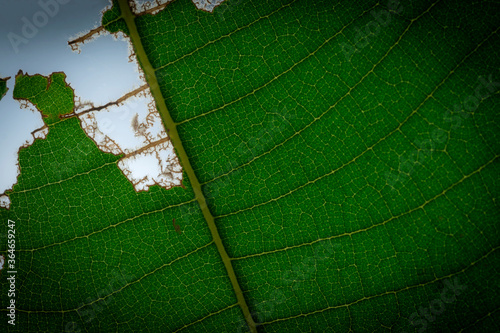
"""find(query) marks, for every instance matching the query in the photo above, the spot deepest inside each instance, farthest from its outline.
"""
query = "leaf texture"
(340, 170)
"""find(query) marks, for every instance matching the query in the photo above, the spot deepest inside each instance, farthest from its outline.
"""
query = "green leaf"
(52, 96)
(340, 170)
(3, 87)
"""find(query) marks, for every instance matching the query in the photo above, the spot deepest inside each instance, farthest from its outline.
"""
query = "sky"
(100, 73)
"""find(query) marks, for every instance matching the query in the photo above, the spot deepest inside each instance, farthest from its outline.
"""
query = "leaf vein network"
(397, 129)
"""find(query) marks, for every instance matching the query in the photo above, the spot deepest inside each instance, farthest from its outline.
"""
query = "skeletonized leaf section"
(133, 128)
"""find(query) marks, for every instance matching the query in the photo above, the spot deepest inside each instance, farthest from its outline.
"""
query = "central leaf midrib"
(149, 73)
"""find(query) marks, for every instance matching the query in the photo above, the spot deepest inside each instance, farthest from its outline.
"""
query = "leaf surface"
(3, 87)
(341, 175)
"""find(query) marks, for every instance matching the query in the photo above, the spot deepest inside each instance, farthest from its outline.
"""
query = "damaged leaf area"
(149, 158)
(155, 6)
(340, 169)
